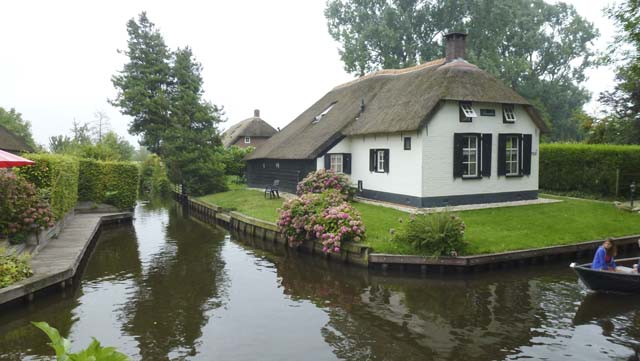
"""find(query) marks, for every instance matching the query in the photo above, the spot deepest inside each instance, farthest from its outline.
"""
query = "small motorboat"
(609, 281)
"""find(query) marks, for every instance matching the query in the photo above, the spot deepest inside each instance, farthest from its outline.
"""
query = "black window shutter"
(346, 163)
(327, 161)
(386, 160)
(486, 155)
(526, 154)
(372, 160)
(502, 149)
(457, 155)
(504, 118)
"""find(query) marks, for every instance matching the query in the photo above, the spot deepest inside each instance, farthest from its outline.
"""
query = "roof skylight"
(324, 112)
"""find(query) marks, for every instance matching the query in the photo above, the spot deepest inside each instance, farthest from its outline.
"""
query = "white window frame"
(323, 113)
(512, 156)
(468, 165)
(467, 109)
(509, 111)
(380, 161)
(337, 163)
(247, 140)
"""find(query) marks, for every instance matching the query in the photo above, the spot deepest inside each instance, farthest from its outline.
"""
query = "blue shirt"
(599, 260)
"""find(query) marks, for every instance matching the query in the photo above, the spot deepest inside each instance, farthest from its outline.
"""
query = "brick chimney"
(454, 46)
(256, 113)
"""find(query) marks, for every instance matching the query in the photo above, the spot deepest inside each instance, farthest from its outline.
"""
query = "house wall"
(262, 172)
(402, 183)
(437, 162)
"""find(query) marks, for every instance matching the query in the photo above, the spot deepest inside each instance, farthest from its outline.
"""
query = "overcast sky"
(277, 56)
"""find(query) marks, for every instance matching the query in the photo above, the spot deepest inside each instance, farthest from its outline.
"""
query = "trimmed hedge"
(58, 176)
(589, 168)
(114, 183)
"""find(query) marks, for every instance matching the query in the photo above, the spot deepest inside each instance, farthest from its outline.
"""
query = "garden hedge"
(114, 183)
(589, 168)
(58, 176)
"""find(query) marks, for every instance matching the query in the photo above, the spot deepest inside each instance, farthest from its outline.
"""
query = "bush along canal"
(170, 287)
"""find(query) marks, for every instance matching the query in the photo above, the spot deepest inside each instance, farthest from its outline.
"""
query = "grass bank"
(488, 230)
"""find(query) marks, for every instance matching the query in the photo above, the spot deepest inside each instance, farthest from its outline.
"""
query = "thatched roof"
(12, 143)
(394, 101)
(251, 127)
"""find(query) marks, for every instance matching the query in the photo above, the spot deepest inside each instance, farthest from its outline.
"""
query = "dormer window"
(508, 113)
(324, 112)
(466, 112)
(247, 140)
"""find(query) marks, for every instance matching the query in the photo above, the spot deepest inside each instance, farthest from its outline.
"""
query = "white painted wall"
(427, 169)
(405, 167)
(437, 169)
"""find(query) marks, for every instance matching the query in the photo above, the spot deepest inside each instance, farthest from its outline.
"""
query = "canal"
(169, 287)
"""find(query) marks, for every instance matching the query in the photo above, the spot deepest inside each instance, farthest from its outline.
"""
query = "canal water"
(169, 287)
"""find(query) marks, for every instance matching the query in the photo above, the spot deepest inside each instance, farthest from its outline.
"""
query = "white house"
(441, 133)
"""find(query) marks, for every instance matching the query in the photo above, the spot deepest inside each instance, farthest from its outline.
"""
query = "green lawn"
(488, 230)
(246, 201)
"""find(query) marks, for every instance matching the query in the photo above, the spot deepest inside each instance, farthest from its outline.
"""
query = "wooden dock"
(58, 262)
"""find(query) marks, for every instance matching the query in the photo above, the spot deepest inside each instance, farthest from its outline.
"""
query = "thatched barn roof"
(11, 142)
(387, 101)
(250, 127)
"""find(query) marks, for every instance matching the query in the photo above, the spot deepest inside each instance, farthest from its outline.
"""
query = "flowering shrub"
(439, 234)
(13, 268)
(326, 217)
(22, 210)
(322, 180)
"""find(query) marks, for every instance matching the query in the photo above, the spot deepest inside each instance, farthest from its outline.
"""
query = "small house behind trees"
(441, 133)
(250, 132)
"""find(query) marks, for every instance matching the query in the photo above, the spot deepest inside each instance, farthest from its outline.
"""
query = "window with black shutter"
(379, 160)
(514, 154)
(471, 155)
(336, 162)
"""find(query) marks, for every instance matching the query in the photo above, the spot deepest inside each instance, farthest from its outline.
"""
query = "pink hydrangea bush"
(324, 217)
(322, 180)
(22, 209)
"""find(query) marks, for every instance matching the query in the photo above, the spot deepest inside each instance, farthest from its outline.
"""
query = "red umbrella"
(8, 160)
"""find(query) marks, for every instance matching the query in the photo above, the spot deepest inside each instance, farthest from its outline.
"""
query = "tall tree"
(143, 84)
(539, 49)
(623, 124)
(193, 146)
(163, 92)
(13, 121)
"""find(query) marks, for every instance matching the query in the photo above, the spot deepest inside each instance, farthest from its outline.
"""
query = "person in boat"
(604, 259)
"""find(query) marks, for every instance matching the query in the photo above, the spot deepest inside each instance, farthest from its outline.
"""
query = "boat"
(608, 281)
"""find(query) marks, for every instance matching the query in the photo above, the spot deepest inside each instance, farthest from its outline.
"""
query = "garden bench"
(273, 190)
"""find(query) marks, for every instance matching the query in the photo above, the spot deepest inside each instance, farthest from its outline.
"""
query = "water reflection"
(509, 315)
(181, 282)
(169, 287)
